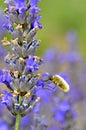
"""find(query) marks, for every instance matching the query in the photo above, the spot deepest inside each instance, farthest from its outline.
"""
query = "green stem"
(18, 116)
(17, 121)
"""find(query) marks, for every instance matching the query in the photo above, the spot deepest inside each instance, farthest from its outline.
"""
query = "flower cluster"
(21, 81)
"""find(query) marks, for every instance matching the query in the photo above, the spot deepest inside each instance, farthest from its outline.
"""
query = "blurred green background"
(58, 17)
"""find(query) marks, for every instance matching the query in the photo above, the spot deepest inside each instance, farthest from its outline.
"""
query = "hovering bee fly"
(60, 82)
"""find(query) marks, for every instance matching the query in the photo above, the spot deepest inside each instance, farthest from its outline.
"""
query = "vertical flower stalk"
(21, 82)
(17, 121)
(18, 116)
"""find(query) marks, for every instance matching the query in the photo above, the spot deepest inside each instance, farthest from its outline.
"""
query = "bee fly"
(62, 84)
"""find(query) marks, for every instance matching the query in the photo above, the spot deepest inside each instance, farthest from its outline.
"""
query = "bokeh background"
(58, 18)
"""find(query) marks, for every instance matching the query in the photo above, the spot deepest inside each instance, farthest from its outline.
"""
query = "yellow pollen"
(6, 9)
(38, 99)
(5, 41)
(37, 58)
(28, 95)
(19, 26)
(36, 28)
(11, 8)
(1, 95)
(21, 59)
(15, 41)
(39, 75)
(15, 93)
(16, 73)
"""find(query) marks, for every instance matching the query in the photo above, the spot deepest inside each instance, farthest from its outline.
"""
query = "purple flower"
(25, 120)
(9, 2)
(36, 108)
(8, 25)
(32, 64)
(64, 111)
(33, 13)
(5, 77)
(6, 98)
(19, 2)
(2, 21)
(44, 94)
(35, 22)
(33, 3)
(41, 81)
(3, 125)
(19, 5)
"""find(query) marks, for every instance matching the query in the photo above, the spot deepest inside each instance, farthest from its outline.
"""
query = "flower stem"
(18, 116)
(17, 121)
